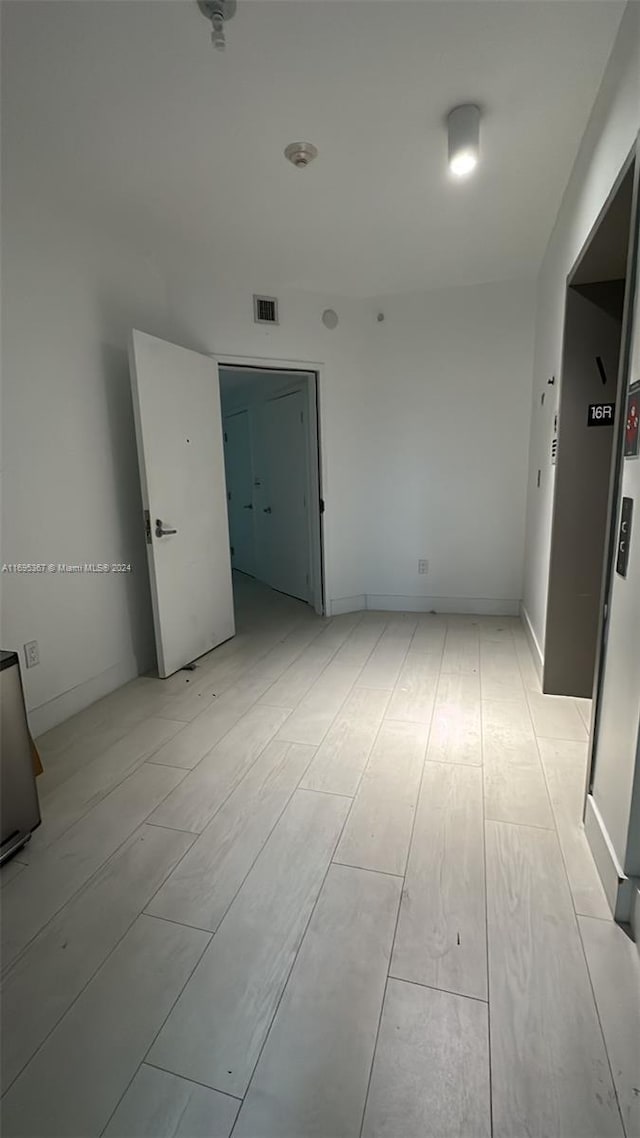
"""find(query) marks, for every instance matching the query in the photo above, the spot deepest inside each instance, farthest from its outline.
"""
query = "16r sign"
(601, 414)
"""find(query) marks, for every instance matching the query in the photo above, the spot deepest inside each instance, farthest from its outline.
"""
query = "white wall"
(70, 481)
(610, 134)
(447, 414)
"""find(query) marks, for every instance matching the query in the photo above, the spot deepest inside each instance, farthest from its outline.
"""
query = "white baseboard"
(346, 604)
(68, 703)
(617, 887)
(485, 606)
(536, 651)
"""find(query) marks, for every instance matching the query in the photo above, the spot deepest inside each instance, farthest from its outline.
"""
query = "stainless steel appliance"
(19, 808)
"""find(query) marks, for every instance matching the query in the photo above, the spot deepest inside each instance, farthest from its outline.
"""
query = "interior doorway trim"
(556, 667)
(316, 369)
(626, 344)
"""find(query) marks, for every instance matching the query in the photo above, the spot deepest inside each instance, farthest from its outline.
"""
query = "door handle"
(249, 507)
(160, 532)
(267, 510)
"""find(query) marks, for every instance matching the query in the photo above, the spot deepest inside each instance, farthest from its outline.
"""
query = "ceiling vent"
(265, 309)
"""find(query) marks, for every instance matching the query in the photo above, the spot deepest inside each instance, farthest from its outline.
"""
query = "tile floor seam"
(594, 917)
(523, 825)
(574, 910)
(284, 807)
(342, 705)
(136, 766)
(233, 788)
(600, 1025)
(404, 885)
(76, 997)
(369, 754)
(4, 972)
(453, 763)
(181, 924)
(196, 1082)
(320, 673)
(293, 964)
(172, 766)
(368, 869)
(435, 988)
(175, 829)
(331, 793)
(254, 663)
(556, 827)
(386, 982)
(144, 1058)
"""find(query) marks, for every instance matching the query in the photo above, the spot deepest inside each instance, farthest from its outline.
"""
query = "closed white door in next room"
(239, 470)
(284, 514)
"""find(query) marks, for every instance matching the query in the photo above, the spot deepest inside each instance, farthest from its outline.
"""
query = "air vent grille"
(265, 309)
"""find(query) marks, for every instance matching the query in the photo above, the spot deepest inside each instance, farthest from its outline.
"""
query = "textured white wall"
(447, 413)
(70, 479)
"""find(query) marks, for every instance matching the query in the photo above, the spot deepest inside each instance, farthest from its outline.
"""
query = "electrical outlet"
(31, 654)
(423, 566)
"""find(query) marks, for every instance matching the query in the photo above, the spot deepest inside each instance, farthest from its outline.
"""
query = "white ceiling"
(125, 109)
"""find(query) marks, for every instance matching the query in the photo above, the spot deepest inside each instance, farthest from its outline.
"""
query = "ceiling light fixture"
(463, 126)
(301, 153)
(218, 12)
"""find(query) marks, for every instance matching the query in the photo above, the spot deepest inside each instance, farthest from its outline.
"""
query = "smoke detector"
(301, 153)
(218, 12)
(330, 318)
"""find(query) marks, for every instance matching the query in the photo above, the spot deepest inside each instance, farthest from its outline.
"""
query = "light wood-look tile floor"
(332, 884)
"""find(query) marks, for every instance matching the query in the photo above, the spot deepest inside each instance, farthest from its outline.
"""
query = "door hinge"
(226, 437)
(232, 551)
(322, 505)
(147, 526)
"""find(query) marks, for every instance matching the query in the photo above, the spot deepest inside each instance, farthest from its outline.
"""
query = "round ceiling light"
(301, 153)
(463, 126)
(330, 318)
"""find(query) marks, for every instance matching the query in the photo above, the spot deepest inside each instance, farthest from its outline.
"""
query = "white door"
(176, 405)
(284, 509)
(239, 468)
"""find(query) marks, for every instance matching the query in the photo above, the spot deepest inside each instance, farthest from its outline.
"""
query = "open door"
(176, 406)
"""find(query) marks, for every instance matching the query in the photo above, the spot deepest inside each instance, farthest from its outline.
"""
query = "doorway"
(271, 450)
(591, 395)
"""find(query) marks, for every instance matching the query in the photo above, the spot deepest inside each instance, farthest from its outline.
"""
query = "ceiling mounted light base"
(463, 126)
(218, 12)
(301, 153)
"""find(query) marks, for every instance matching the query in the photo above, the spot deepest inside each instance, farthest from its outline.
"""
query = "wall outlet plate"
(423, 566)
(31, 653)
